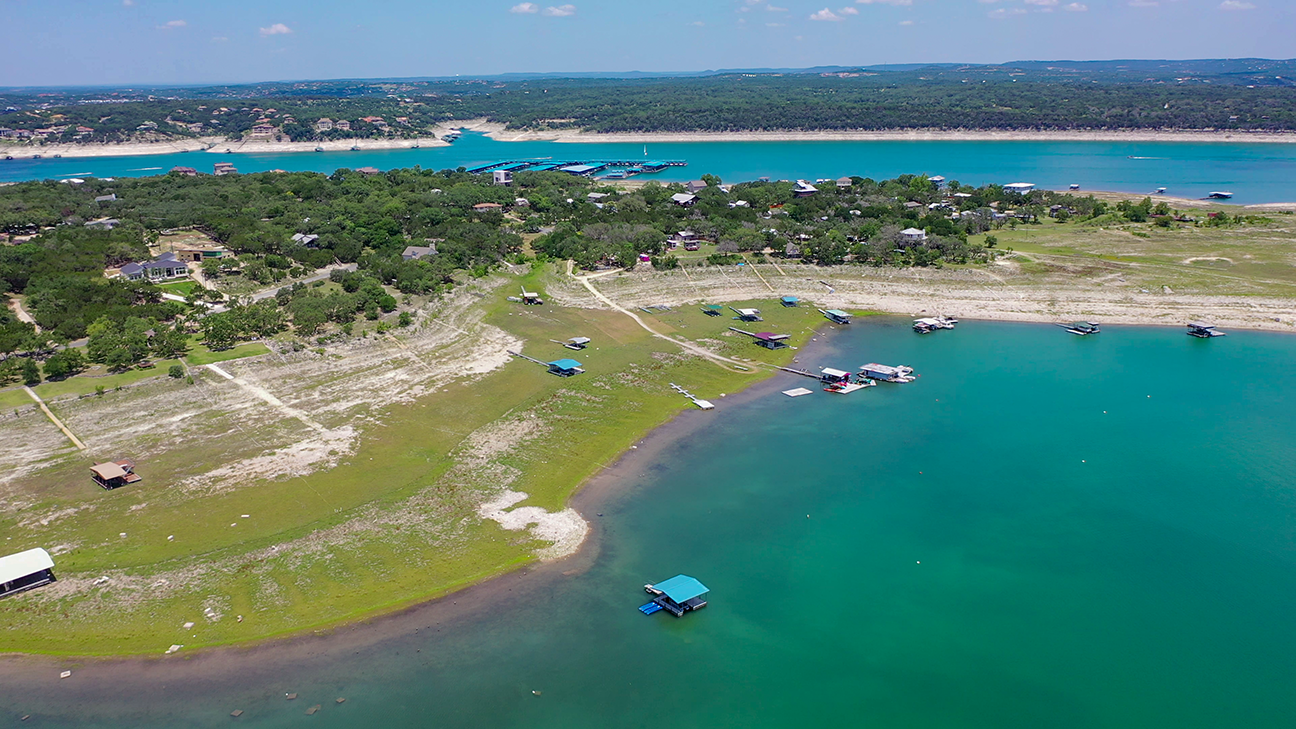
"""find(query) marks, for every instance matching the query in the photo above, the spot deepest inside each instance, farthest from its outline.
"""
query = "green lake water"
(1042, 531)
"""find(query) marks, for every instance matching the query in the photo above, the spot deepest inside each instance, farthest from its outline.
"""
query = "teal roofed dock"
(678, 595)
(565, 367)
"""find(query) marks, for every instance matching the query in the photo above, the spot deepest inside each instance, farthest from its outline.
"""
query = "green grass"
(201, 355)
(90, 380)
(589, 420)
(14, 397)
(179, 288)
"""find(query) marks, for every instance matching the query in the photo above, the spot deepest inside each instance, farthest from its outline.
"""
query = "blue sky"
(123, 42)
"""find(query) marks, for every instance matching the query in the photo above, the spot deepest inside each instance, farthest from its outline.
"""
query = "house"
(695, 186)
(911, 205)
(412, 253)
(488, 207)
(792, 250)
(502, 177)
(521, 202)
(186, 171)
(106, 198)
(25, 571)
(913, 236)
(163, 267)
(263, 130)
(937, 180)
(565, 367)
(683, 199)
(324, 125)
(1020, 188)
(224, 168)
(342, 124)
(803, 189)
(595, 197)
(739, 204)
(103, 223)
(113, 474)
(198, 254)
(371, 119)
(305, 239)
(843, 183)
(368, 170)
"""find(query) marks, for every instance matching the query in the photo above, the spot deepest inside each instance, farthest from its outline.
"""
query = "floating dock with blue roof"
(678, 595)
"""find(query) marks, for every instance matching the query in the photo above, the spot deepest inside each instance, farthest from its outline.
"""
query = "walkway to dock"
(725, 362)
(57, 423)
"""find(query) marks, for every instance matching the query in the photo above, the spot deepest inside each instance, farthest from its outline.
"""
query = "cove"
(1255, 173)
(1043, 530)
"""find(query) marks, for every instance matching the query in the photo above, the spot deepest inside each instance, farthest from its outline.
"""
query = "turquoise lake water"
(1255, 173)
(1042, 531)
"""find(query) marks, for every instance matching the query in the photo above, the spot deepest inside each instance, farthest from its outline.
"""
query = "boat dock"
(768, 340)
(837, 316)
(678, 595)
(582, 168)
(704, 404)
(929, 324)
(887, 373)
(1202, 330)
(1082, 328)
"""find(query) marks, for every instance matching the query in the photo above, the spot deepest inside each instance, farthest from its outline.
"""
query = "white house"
(913, 235)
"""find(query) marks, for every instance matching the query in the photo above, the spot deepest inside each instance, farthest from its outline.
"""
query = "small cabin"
(565, 367)
(832, 376)
(113, 474)
(25, 571)
(803, 189)
(769, 340)
(678, 595)
(789, 301)
(747, 314)
(577, 343)
(837, 316)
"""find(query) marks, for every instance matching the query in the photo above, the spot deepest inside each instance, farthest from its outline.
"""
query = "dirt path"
(58, 423)
(687, 346)
(270, 399)
(15, 304)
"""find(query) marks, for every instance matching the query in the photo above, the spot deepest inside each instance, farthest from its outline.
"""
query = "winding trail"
(725, 362)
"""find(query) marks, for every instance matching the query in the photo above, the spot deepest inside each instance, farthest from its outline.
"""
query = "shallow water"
(1255, 173)
(1043, 530)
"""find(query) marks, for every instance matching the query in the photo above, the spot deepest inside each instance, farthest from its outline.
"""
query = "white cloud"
(774, 25)
(173, 24)
(885, 2)
(827, 15)
(1045, 3)
(848, 11)
(698, 23)
(776, 9)
(560, 11)
(276, 29)
(128, 3)
(220, 39)
(1236, 5)
(1076, 8)
(525, 8)
(906, 22)
(1143, 3)
(1002, 13)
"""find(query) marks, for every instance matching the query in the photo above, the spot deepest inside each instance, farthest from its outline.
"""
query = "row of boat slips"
(583, 168)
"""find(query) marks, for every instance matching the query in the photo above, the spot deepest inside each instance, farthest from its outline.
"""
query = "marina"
(617, 169)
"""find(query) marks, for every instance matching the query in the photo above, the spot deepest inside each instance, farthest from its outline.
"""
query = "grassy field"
(92, 379)
(179, 288)
(14, 397)
(201, 355)
(394, 524)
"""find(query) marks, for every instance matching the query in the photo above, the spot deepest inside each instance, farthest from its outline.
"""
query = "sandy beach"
(211, 145)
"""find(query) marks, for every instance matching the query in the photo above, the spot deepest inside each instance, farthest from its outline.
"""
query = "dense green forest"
(944, 98)
(58, 264)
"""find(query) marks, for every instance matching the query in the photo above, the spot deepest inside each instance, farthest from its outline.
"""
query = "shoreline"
(110, 680)
(498, 132)
(575, 136)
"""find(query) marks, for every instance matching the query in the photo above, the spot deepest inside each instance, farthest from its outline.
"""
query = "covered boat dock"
(678, 595)
(25, 571)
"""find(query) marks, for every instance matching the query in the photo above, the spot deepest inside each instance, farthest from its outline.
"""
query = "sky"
(143, 42)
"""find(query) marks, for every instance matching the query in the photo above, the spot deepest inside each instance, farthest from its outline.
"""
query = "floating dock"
(837, 316)
(1202, 330)
(678, 595)
(1082, 328)
(704, 404)
(887, 373)
(929, 324)
(581, 168)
